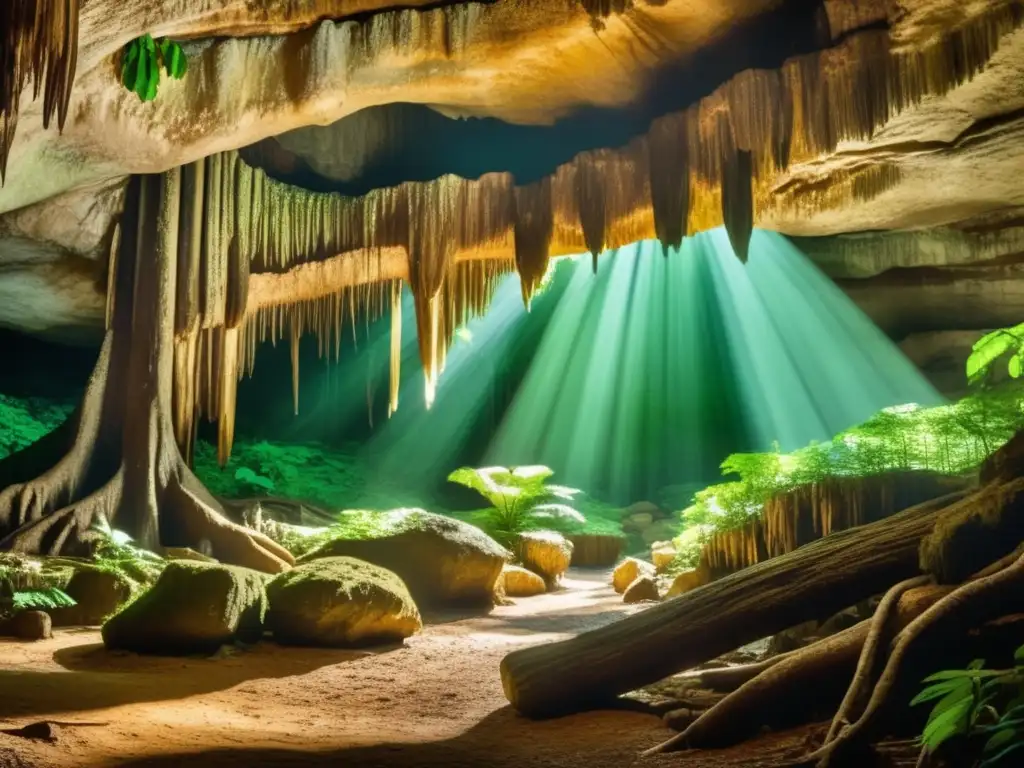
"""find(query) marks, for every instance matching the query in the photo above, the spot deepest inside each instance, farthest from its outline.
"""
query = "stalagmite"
(38, 40)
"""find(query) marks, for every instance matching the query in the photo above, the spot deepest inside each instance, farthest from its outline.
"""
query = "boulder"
(660, 530)
(686, 581)
(97, 594)
(643, 508)
(546, 553)
(443, 561)
(638, 522)
(193, 607)
(28, 625)
(643, 588)
(340, 602)
(520, 582)
(662, 554)
(627, 571)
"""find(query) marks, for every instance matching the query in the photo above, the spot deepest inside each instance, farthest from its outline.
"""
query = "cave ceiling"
(898, 146)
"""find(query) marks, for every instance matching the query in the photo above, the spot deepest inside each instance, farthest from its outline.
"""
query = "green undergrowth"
(24, 421)
(950, 439)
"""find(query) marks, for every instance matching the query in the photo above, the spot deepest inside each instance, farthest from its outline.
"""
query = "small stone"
(642, 589)
(627, 572)
(520, 582)
(31, 625)
(686, 581)
(638, 521)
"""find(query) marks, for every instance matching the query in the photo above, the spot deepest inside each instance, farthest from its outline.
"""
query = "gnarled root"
(971, 604)
(820, 668)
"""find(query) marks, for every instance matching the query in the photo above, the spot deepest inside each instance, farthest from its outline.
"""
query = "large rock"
(97, 594)
(340, 601)
(628, 570)
(687, 581)
(193, 607)
(663, 553)
(442, 561)
(520, 582)
(546, 553)
(28, 625)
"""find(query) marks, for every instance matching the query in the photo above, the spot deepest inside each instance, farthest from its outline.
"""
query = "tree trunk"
(809, 583)
(123, 463)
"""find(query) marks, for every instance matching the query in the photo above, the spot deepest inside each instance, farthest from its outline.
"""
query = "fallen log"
(811, 582)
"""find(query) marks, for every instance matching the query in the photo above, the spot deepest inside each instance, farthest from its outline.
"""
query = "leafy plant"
(520, 499)
(26, 586)
(993, 346)
(116, 552)
(977, 703)
(142, 61)
(247, 476)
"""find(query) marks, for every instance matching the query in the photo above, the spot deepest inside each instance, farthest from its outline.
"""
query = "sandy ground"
(436, 701)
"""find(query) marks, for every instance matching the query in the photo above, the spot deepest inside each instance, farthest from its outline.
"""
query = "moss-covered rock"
(546, 553)
(98, 593)
(520, 582)
(340, 602)
(442, 561)
(628, 571)
(193, 607)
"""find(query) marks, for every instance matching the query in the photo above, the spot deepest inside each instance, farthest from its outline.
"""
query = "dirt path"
(436, 701)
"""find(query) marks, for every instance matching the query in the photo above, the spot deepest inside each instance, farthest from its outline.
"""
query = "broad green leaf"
(535, 472)
(990, 347)
(938, 690)
(174, 59)
(951, 722)
(1015, 366)
(1018, 655)
(563, 511)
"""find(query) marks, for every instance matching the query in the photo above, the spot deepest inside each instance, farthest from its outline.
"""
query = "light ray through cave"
(642, 367)
(643, 376)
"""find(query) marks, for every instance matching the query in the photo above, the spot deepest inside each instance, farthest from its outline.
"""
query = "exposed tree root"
(969, 605)
(799, 686)
(869, 654)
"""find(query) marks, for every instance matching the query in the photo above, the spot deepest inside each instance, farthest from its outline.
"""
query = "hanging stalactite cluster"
(235, 222)
(694, 169)
(813, 511)
(38, 42)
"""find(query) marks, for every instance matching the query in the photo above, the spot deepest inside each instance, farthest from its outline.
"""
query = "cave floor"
(435, 702)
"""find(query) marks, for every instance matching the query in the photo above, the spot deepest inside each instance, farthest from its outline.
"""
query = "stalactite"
(668, 143)
(38, 40)
(738, 201)
(396, 346)
(591, 201)
(533, 228)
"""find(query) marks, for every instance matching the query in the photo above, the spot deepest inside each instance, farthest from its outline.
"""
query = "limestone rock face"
(642, 589)
(340, 601)
(628, 571)
(442, 561)
(192, 608)
(546, 553)
(520, 582)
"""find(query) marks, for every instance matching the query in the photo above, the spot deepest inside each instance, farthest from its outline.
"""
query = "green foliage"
(949, 439)
(520, 500)
(23, 422)
(142, 61)
(245, 476)
(311, 473)
(115, 552)
(993, 346)
(979, 704)
(26, 586)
